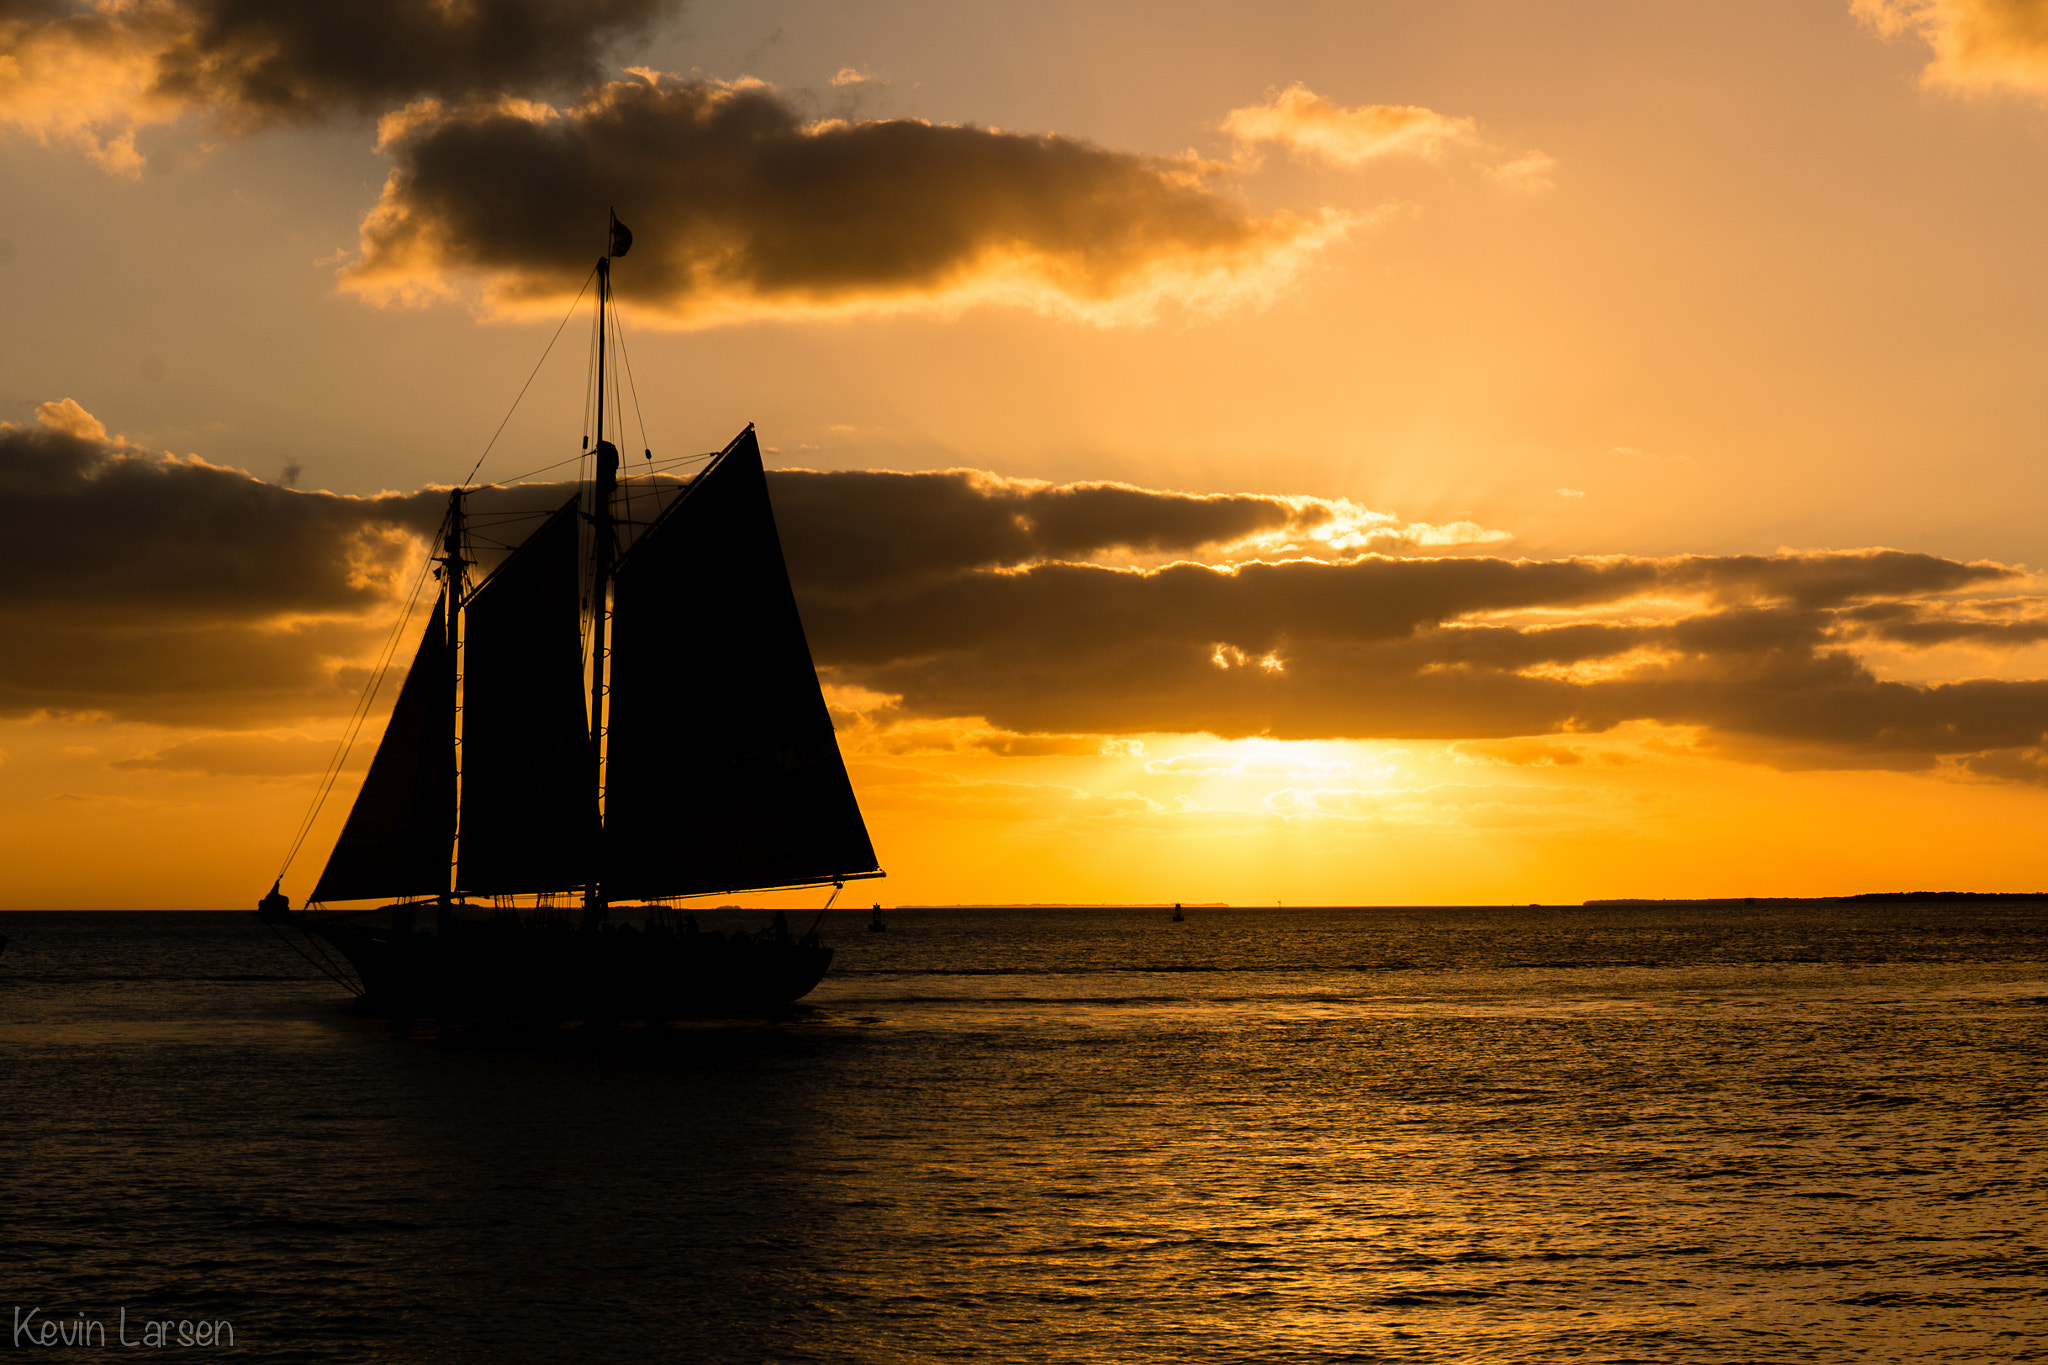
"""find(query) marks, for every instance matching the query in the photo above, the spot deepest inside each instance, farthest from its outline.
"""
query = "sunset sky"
(1462, 452)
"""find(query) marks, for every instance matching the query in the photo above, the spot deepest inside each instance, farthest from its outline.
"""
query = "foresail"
(529, 799)
(401, 831)
(723, 772)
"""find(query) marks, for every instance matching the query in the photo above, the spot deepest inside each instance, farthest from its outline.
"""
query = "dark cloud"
(855, 536)
(859, 530)
(92, 74)
(2028, 765)
(1391, 649)
(286, 60)
(152, 587)
(168, 589)
(740, 208)
(90, 524)
(2001, 623)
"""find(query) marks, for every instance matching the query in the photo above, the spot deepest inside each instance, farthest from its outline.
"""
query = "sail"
(722, 771)
(401, 832)
(529, 796)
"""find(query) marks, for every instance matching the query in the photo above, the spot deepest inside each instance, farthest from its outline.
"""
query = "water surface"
(1657, 1133)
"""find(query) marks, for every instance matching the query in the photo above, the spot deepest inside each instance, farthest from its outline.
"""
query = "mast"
(454, 565)
(604, 480)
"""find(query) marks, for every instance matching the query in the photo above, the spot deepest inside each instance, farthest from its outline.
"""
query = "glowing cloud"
(1528, 173)
(1315, 128)
(88, 79)
(1977, 43)
(745, 210)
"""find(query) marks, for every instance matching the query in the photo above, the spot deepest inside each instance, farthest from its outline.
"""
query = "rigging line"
(317, 966)
(590, 373)
(617, 349)
(837, 887)
(529, 380)
(320, 947)
(631, 387)
(353, 729)
(506, 483)
(350, 734)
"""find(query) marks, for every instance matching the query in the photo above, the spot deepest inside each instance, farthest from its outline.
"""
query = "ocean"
(1686, 1133)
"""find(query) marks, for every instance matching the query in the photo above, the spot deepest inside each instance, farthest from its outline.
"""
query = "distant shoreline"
(1865, 898)
(1065, 905)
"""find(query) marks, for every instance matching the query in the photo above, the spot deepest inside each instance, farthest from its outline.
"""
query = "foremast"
(603, 554)
(453, 572)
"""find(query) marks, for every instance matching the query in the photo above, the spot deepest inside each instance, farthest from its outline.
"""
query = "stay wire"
(530, 378)
(354, 727)
(626, 363)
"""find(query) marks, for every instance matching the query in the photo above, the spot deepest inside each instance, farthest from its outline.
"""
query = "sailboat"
(621, 715)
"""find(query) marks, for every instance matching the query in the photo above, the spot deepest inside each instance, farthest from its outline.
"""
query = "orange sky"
(1571, 359)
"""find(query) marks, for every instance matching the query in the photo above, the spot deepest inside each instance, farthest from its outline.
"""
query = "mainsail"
(723, 772)
(529, 805)
(400, 832)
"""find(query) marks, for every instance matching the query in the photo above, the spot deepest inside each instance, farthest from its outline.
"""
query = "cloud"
(1761, 656)
(87, 78)
(1317, 129)
(1253, 764)
(159, 587)
(1313, 128)
(1517, 753)
(1977, 44)
(1528, 173)
(1447, 803)
(93, 74)
(867, 531)
(241, 756)
(958, 611)
(743, 210)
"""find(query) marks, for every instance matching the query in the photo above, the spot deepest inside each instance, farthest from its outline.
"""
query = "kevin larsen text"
(80, 1330)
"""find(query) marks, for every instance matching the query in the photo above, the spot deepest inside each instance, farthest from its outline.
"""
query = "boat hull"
(510, 969)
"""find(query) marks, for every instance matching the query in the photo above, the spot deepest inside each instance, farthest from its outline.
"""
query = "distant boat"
(694, 757)
(1178, 917)
(875, 925)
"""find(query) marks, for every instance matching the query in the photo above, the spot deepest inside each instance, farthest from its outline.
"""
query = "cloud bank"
(93, 74)
(743, 209)
(153, 587)
(1978, 44)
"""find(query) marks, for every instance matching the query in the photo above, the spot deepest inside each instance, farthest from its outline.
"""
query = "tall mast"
(454, 567)
(604, 480)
